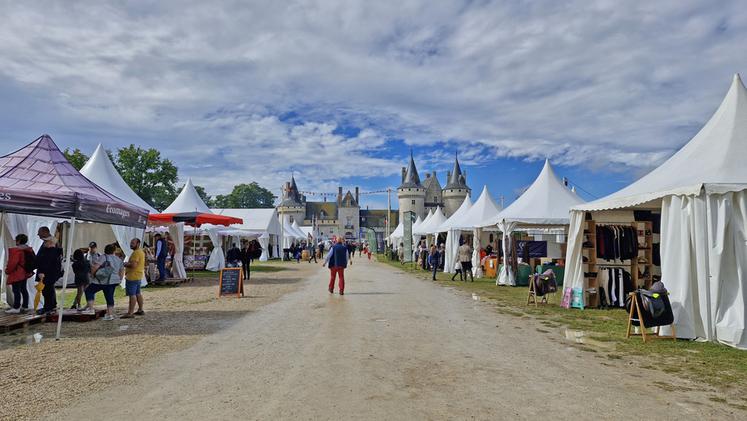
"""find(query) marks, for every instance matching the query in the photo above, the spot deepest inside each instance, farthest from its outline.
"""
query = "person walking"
(465, 258)
(401, 253)
(312, 252)
(134, 272)
(246, 258)
(457, 270)
(337, 261)
(162, 251)
(434, 260)
(82, 271)
(48, 268)
(106, 276)
(20, 267)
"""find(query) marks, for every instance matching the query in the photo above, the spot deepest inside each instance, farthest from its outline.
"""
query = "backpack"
(29, 261)
(104, 272)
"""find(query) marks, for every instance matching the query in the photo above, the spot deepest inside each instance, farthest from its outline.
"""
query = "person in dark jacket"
(337, 261)
(246, 258)
(434, 260)
(82, 271)
(233, 256)
(48, 268)
(162, 251)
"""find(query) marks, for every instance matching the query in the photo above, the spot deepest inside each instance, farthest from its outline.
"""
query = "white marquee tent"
(545, 204)
(450, 227)
(189, 201)
(262, 222)
(702, 194)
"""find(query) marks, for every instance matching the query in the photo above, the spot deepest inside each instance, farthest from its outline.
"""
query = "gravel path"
(393, 347)
(35, 379)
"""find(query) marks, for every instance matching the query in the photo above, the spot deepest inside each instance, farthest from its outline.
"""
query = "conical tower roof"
(291, 195)
(456, 180)
(412, 179)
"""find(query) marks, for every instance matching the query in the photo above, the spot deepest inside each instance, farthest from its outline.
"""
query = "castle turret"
(411, 193)
(292, 207)
(456, 188)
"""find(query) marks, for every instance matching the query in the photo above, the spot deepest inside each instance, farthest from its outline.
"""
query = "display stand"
(636, 315)
(532, 297)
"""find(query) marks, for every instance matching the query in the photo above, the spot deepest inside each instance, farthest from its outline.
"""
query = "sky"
(340, 92)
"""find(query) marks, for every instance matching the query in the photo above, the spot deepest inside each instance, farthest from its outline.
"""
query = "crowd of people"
(432, 258)
(243, 257)
(93, 272)
(295, 251)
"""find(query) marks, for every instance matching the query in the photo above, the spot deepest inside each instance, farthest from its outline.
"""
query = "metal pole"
(388, 214)
(69, 257)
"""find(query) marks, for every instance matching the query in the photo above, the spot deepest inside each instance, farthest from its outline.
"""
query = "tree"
(76, 157)
(150, 176)
(246, 196)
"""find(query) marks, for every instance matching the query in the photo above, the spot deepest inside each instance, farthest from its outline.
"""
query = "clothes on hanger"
(616, 242)
(616, 284)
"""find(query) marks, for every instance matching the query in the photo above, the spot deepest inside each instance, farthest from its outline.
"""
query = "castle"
(344, 217)
(420, 198)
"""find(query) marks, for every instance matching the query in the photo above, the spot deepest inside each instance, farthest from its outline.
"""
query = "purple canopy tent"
(38, 180)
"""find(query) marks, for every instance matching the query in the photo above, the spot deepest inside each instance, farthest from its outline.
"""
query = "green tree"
(153, 178)
(75, 157)
(246, 196)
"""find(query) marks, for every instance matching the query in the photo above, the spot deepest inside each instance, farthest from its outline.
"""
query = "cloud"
(261, 90)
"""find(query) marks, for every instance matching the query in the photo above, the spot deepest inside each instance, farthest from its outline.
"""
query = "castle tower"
(348, 214)
(293, 205)
(456, 188)
(411, 193)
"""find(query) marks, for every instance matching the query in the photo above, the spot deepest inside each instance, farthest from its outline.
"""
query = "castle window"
(435, 199)
(290, 218)
(413, 201)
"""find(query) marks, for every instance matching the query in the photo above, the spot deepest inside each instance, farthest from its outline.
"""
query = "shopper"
(134, 272)
(457, 270)
(106, 277)
(49, 268)
(434, 260)
(312, 252)
(337, 260)
(82, 271)
(20, 267)
(233, 256)
(246, 258)
(465, 258)
(162, 251)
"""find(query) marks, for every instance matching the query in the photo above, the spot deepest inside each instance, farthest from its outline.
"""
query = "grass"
(717, 365)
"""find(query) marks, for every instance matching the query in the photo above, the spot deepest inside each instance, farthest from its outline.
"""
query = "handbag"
(104, 272)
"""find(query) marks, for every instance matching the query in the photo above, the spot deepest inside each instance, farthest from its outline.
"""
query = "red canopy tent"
(194, 219)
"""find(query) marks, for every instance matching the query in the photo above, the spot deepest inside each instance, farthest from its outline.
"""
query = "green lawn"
(604, 332)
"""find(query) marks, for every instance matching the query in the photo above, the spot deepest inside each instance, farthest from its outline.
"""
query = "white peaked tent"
(483, 208)
(545, 204)
(702, 193)
(262, 222)
(452, 234)
(419, 231)
(298, 231)
(396, 237)
(189, 201)
(432, 225)
(416, 226)
(100, 170)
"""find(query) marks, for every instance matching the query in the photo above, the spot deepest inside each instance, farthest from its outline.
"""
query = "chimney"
(356, 197)
(339, 196)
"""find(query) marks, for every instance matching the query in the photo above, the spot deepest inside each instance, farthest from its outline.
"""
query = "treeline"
(154, 179)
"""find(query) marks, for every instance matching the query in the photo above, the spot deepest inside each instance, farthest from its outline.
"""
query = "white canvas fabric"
(482, 210)
(188, 201)
(123, 236)
(468, 220)
(415, 226)
(177, 266)
(456, 217)
(431, 226)
(263, 221)
(506, 276)
(217, 260)
(100, 170)
(396, 237)
(453, 234)
(424, 224)
(547, 201)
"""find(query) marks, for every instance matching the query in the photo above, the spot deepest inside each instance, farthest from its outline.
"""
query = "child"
(458, 268)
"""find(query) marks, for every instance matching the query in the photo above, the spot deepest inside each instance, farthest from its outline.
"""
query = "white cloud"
(599, 84)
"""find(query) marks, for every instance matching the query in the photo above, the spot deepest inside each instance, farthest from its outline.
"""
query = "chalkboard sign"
(231, 282)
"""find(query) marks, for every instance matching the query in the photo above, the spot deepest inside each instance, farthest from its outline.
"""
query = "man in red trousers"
(337, 261)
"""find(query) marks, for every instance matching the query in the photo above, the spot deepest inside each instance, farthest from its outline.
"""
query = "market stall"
(262, 221)
(450, 227)
(693, 207)
(37, 180)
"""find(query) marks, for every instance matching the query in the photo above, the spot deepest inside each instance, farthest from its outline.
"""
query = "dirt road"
(393, 347)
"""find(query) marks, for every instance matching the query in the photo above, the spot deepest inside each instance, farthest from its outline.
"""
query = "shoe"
(127, 316)
(40, 312)
(140, 313)
(74, 307)
(342, 293)
(24, 311)
(13, 311)
(331, 291)
(108, 317)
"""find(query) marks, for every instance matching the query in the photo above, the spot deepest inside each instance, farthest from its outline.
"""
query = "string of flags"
(323, 194)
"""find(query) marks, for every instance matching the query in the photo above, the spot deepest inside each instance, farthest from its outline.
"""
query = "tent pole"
(69, 252)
